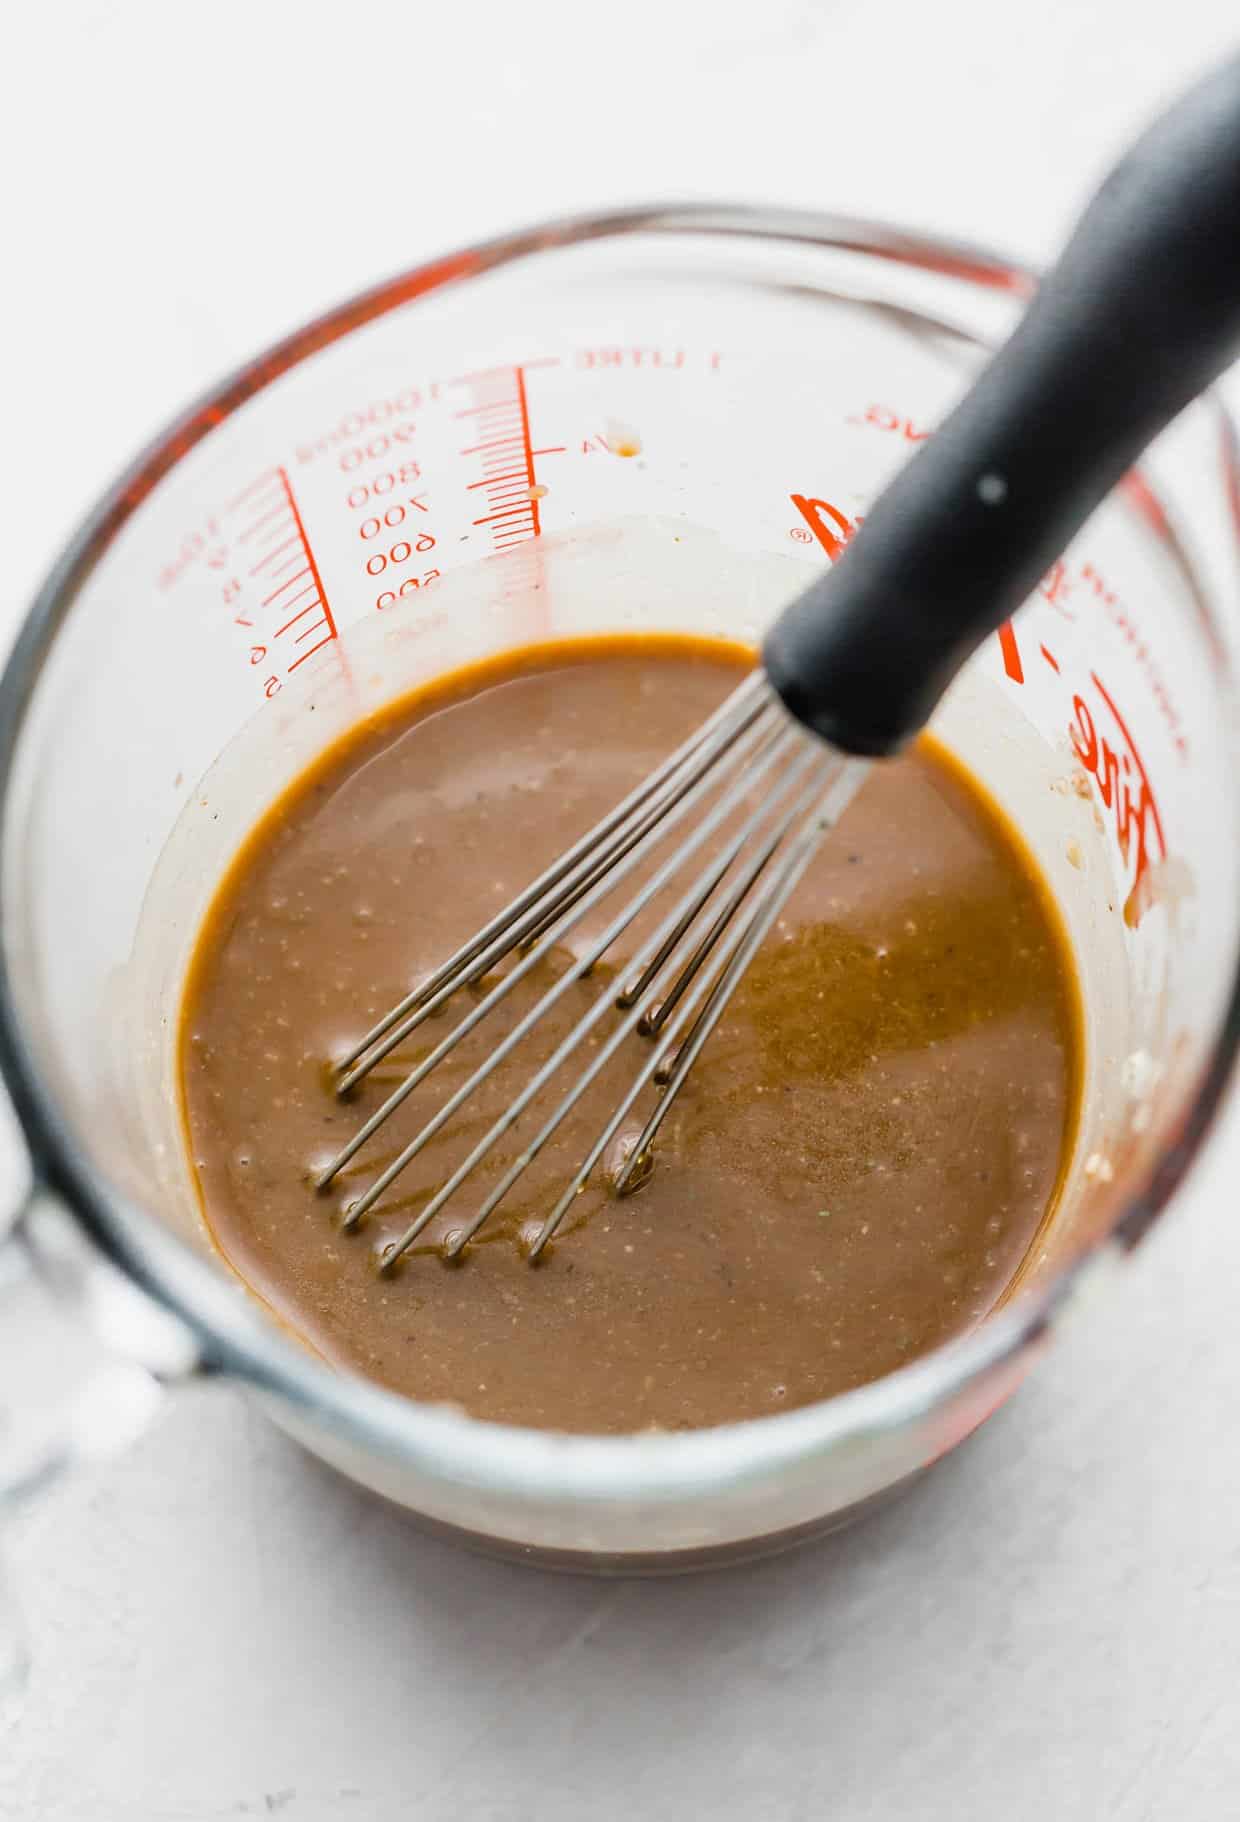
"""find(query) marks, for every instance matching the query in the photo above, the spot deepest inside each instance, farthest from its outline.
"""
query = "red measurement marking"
(1053, 588)
(1011, 653)
(474, 411)
(299, 615)
(264, 521)
(309, 589)
(1117, 613)
(508, 481)
(277, 512)
(529, 451)
(273, 552)
(277, 530)
(264, 479)
(881, 417)
(1115, 764)
(1147, 504)
(314, 568)
(268, 599)
(285, 567)
(812, 512)
(329, 633)
(1123, 784)
(835, 535)
(489, 373)
(291, 622)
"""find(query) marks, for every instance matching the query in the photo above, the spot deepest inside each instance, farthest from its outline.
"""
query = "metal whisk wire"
(700, 948)
(513, 925)
(719, 982)
(758, 737)
(602, 1005)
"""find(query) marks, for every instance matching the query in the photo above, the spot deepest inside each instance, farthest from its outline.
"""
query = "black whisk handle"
(1137, 317)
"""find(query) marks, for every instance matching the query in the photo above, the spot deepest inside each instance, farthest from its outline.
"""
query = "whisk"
(1140, 313)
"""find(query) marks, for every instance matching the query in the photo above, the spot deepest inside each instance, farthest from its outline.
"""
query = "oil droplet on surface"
(617, 1155)
(622, 439)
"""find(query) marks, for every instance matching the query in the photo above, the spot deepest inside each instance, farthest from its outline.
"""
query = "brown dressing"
(854, 1172)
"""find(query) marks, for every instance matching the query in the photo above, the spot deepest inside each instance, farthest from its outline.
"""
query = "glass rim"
(234, 1335)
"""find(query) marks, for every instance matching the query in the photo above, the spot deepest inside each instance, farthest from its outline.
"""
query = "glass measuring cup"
(657, 420)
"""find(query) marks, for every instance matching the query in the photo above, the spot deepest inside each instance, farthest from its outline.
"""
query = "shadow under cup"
(660, 421)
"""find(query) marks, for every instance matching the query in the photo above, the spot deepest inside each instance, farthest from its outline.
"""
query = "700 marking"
(393, 516)
(385, 519)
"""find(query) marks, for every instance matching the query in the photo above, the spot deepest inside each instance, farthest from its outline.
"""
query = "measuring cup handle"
(83, 1353)
(84, 1357)
(1137, 317)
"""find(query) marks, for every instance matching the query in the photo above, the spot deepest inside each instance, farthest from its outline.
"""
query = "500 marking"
(390, 596)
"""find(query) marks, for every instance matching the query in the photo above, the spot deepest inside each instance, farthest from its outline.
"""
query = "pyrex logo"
(1099, 732)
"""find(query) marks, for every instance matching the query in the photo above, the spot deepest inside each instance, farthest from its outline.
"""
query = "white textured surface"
(1050, 1626)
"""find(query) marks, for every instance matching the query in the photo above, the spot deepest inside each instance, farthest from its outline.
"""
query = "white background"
(1050, 1626)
